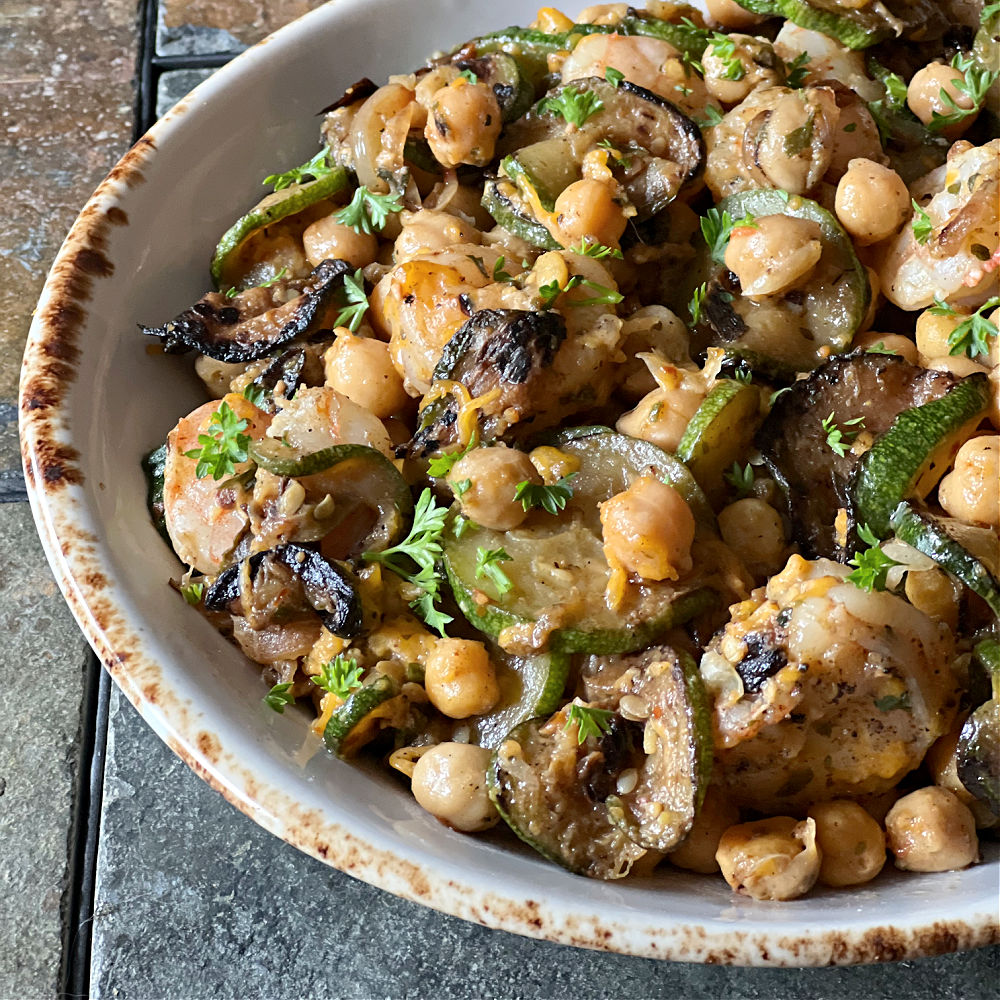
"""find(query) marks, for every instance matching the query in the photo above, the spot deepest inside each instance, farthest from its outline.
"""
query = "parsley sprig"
(712, 117)
(550, 498)
(872, 563)
(741, 480)
(594, 722)
(717, 228)
(595, 250)
(339, 676)
(191, 592)
(487, 561)
(551, 291)
(976, 81)
(796, 71)
(971, 335)
(319, 166)
(921, 225)
(279, 696)
(222, 446)
(574, 104)
(422, 547)
(356, 302)
(724, 49)
(440, 465)
(839, 437)
(368, 212)
(697, 298)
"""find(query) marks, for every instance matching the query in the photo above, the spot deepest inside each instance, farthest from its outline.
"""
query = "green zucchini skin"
(929, 535)
(342, 733)
(500, 199)
(154, 465)
(890, 471)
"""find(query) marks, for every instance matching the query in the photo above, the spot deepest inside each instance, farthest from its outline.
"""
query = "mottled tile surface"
(194, 900)
(176, 84)
(41, 686)
(200, 27)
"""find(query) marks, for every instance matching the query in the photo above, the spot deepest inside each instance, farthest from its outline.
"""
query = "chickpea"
(602, 13)
(753, 530)
(851, 843)
(427, 230)
(958, 365)
(464, 124)
(872, 201)
(587, 210)
(493, 474)
(360, 369)
(449, 781)
(460, 679)
(970, 491)
(327, 239)
(923, 95)
(730, 14)
(935, 593)
(903, 346)
(696, 852)
(773, 255)
(942, 763)
(648, 529)
(930, 830)
(932, 336)
(661, 417)
(775, 858)
(744, 64)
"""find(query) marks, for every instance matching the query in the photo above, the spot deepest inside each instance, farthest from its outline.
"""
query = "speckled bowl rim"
(552, 905)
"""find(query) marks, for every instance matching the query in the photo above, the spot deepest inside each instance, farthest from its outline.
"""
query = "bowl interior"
(204, 166)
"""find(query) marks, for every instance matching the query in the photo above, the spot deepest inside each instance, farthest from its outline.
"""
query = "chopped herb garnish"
(741, 479)
(486, 565)
(712, 117)
(971, 335)
(467, 74)
(880, 348)
(976, 81)
(717, 228)
(254, 393)
(552, 290)
(499, 274)
(838, 438)
(319, 166)
(872, 563)
(921, 225)
(796, 71)
(191, 592)
(274, 280)
(368, 212)
(440, 465)
(697, 297)
(743, 377)
(891, 702)
(773, 398)
(594, 722)
(574, 104)
(724, 49)
(339, 676)
(598, 251)
(279, 696)
(232, 292)
(356, 302)
(222, 446)
(613, 76)
(550, 498)
(798, 140)
(622, 160)
(460, 525)
(461, 487)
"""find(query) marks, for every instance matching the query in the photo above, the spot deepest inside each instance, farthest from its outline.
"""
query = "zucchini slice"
(719, 433)
(366, 489)
(153, 465)
(271, 209)
(550, 790)
(503, 201)
(659, 810)
(857, 26)
(512, 87)
(361, 717)
(814, 479)
(913, 454)
(978, 750)
(939, 538)
(803, 326)
(530, 686)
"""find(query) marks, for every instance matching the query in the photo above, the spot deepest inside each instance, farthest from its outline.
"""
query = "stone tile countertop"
(122, 875)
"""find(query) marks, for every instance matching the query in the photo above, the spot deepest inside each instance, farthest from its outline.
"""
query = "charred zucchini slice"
(794, 440)
(153, 465)
(361, 717)
(908, 460)
(500, 71)
(978, 750)
(940, 538)
(550, 789)
(719, 433)
(798, 328)
(658, 811)
(503, 201)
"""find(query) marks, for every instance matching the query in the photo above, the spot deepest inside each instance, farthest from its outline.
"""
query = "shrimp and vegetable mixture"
(603, 433)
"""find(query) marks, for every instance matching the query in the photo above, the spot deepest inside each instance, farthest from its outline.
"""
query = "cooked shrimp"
(649, 62)
(823, 690)
(205, 516)
(828, 59)
(959, 260)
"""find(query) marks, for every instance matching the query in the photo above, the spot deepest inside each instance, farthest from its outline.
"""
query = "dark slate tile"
(193, 900)
(41, 691)
(176, 84)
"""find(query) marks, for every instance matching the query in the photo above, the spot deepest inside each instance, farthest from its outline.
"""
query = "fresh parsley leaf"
(621, 159)
(773, 398)
(440, 465)
(551, 291)
(356, 302)
(872, 563)
(254, 393)
(367, 212)
(461, 487)
(717, 228)
(838, 438)
(278, 697)
(891, 702)
(460, 525)
(422, 546)
(880, 348)
(574, 104)
(712, 117)
(743, 377)
(319, 166)
(796, 71)
(976, 81)
(499, 274)
(972, 333)
(698, 296)
(275, 279)
(222, 446)
(469, 75)
(594, 722)
(191, 592)
(339, 676)
(724, 49)
(550, 498)
(741, 479)
(613, 76)
(486, 565)
(921, 225)
(232, 292)
(989, 11)
(598, 251)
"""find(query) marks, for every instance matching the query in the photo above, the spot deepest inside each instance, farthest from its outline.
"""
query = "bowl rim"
(54, 482)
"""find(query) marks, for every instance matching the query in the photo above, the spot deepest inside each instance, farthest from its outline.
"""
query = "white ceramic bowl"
(93, 402)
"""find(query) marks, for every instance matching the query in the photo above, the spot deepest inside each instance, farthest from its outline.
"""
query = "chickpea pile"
(494, 311)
